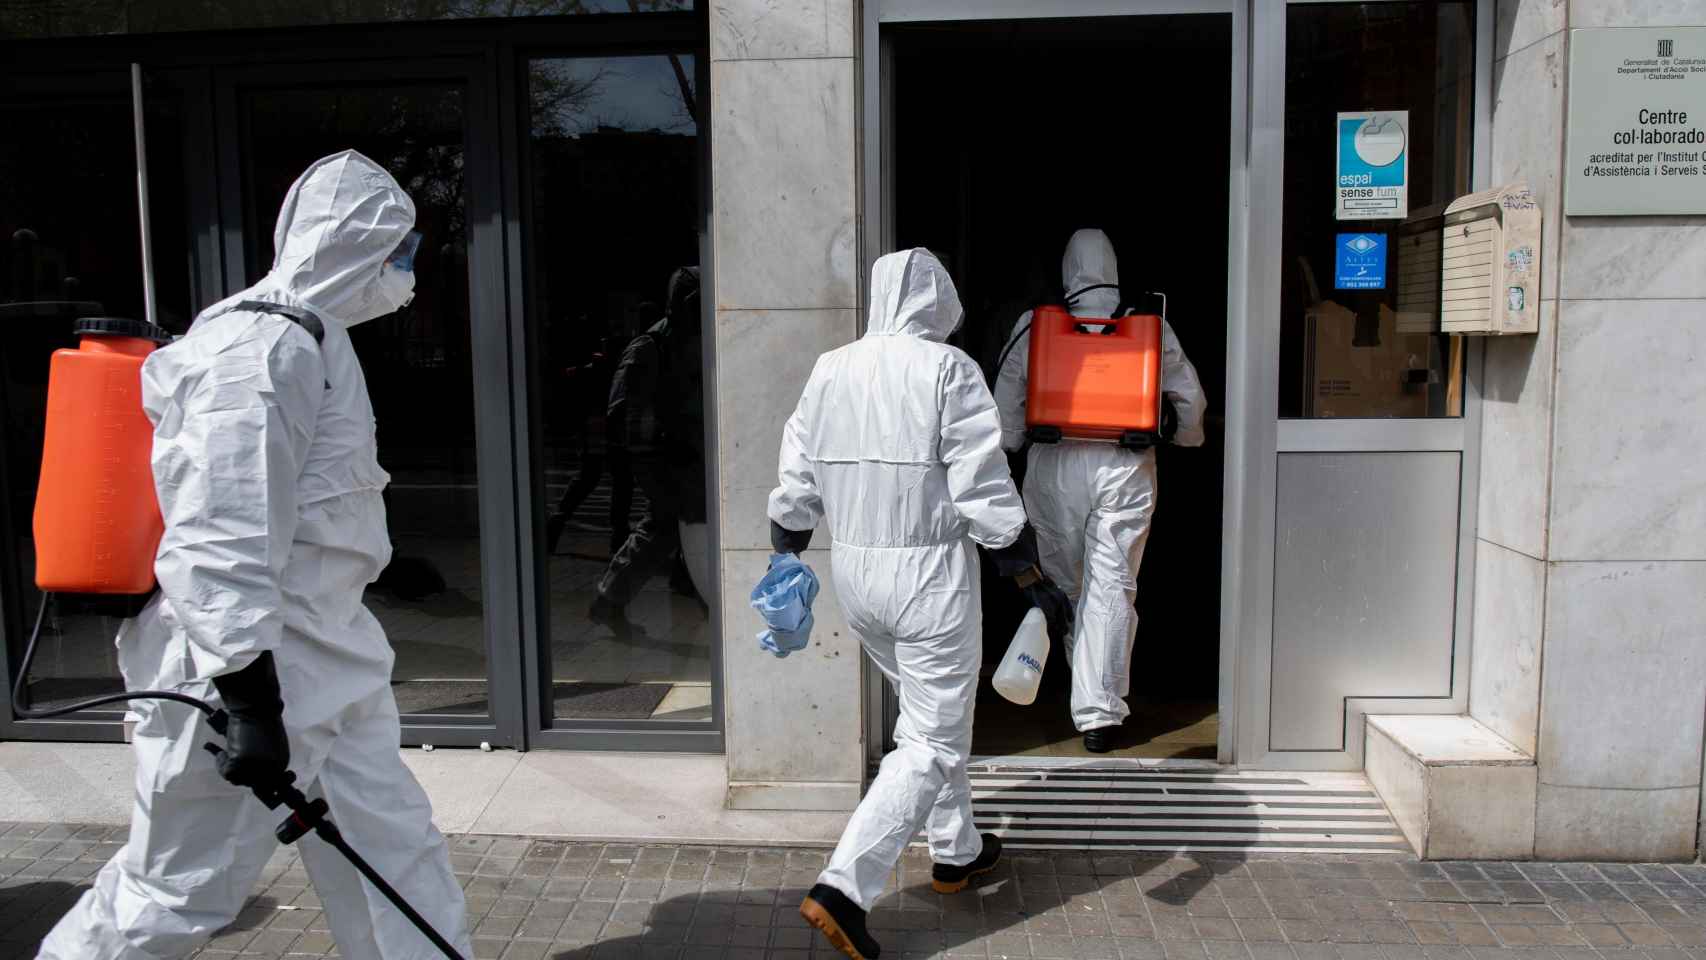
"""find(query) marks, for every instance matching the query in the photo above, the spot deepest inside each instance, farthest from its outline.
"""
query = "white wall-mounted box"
(1489, 279)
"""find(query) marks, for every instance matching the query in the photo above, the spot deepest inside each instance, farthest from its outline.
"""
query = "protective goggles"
(403, 258)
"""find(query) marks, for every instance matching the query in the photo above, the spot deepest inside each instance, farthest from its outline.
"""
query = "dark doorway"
(1007, 137)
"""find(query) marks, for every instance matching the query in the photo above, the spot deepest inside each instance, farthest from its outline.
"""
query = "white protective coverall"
(1091, 502)
(897, 443)
(268, 478)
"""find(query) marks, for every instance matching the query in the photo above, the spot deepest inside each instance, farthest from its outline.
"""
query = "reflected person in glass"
(656, 414)
(590, 382)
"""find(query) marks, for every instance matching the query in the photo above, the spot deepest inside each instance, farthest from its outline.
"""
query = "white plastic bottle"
(1021, 670)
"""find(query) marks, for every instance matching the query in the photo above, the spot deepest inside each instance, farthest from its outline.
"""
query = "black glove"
(783, 540)
(1019, 556)
(1019, 561)
(1055, 605)
(257, 753)
(1169, 418)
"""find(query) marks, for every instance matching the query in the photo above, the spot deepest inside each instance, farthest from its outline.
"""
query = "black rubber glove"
(1056, 607)
(1019, 556)
(1019, 561)
(257, 752)
(783, 540)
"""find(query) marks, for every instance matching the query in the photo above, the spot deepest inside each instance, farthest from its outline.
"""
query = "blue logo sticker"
(1359, 262)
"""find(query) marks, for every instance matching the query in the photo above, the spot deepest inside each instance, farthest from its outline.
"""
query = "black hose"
(20, 686)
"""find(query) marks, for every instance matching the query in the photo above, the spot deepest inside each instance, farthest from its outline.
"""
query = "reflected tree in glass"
(62, 18)
(613, 207)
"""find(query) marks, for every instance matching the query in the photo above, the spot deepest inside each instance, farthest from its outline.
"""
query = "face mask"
(396, 288)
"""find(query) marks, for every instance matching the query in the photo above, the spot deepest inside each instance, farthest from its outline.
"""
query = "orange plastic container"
(97, 520)
(1093, 386)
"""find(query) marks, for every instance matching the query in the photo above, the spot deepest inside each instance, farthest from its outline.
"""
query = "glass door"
(621, 569)
(70, 248)
(436, 370)
(1362, 602)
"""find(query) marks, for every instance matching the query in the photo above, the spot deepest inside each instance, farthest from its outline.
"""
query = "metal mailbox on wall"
(1489, 277)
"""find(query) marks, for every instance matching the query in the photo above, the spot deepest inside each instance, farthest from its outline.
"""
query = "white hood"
(1089, 260)
(338, 223)
(912, 294)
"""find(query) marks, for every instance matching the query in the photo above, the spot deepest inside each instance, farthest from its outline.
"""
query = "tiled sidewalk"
(534, 899)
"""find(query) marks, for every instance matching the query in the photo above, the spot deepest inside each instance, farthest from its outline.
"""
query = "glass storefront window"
(1353, 341)
(83, 18)
(70, 247)
(418, 364)
(613, 217)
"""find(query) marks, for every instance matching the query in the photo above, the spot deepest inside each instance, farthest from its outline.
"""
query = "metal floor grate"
(1112, 807)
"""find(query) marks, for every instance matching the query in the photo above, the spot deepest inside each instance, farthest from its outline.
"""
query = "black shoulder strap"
(1023, 329)
(301, 318)
(1072, 298)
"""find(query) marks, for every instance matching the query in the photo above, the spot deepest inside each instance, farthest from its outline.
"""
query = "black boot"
(947, 878)
(1100, 740)
(554, 532)
(840, 921)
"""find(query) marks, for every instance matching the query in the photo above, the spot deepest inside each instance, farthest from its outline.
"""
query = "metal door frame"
(1255, 590)
(1255, 436)
(1246, 404)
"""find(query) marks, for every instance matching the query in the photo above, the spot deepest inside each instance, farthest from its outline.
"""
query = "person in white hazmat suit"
(1091, 502)
(896, 443)
(268, 479)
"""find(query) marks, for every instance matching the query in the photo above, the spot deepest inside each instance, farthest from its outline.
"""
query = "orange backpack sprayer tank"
(97, 521)
(1094, 378)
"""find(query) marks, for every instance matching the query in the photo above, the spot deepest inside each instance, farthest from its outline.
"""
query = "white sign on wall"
(1373, 168)
(1637, 133)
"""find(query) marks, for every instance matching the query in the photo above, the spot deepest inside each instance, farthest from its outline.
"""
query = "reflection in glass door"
(613, 211)
(69, 248)
(419, 364)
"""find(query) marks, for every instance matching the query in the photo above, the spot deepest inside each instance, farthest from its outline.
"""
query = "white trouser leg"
(1101, 660)
(197, 846)
(386, 817)
(953, 834)
(924, 777)
(1091, 504)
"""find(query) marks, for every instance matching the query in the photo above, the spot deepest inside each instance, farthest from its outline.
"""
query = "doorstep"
(603, 797)
(1458, 790)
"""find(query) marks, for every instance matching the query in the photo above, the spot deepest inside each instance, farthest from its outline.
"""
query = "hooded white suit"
(269, 480)
(1091, 502)
(896, 443)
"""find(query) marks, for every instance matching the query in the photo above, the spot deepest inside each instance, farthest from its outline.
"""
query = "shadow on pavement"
(1026, 895)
